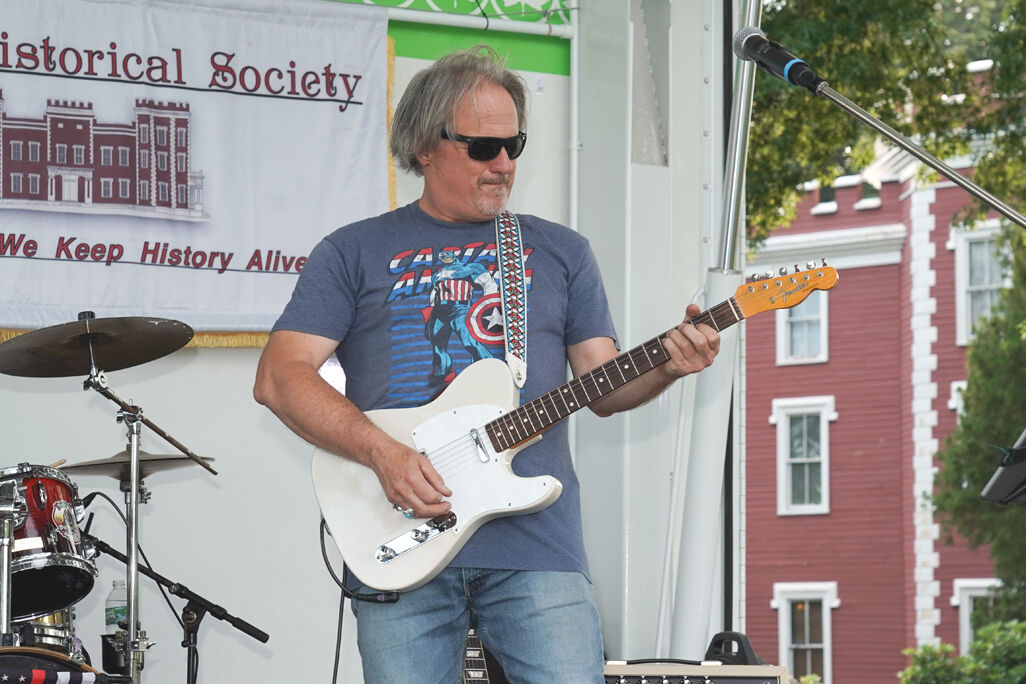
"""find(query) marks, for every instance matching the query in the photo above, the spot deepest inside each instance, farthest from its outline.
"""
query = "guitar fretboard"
(523, 423)
(475, 667)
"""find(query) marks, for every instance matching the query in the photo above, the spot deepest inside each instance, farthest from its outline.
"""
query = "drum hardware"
(55, 632)
(88, 346)
(8, 507)
(195, 609)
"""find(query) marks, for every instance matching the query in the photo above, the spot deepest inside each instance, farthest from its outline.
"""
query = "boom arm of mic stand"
(182, 591)
(828, 93)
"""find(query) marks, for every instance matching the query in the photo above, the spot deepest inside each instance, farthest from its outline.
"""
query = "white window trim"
(955, 401)
(824, 208)
(783, 359)
(781, 410)
(958, 240)
(961, 590)
(783, 594)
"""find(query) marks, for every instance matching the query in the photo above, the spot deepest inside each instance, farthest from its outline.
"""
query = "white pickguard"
(484, 487)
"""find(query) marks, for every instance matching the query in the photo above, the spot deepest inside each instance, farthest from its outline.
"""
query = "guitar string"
(535, 415)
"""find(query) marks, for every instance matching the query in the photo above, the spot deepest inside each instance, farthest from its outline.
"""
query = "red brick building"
(69, 161)
(848, 399)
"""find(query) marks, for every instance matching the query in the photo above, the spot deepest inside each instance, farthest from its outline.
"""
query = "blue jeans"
(542, 627)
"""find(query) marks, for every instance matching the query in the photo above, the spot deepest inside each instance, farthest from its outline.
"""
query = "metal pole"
(825, 91)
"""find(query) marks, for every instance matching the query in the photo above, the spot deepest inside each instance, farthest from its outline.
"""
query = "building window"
(144, 190)
(180, 137)
(183, 194)
(15, 182)
(79, 153)
(106, 188)
(123, 153)
(162, 161)
(804, 627)
(827, 203)
(803, 332)
(180, 161)
(144, 133)
(106, 156)
(803, 454)
(162, 135)
(972, 597)
(144, 159)
(980, 275)
(162, 192)
(124, 188)
(62, 153)
(33, 183)
(33, 151)
(15, 150)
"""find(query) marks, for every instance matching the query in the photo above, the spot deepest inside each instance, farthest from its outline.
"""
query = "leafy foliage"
(998, 656)
(994, 413)
(888, 58)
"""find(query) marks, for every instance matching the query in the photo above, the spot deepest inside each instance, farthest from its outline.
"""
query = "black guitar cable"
(380, 597)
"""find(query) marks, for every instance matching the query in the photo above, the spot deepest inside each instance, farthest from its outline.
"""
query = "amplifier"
(619, 672)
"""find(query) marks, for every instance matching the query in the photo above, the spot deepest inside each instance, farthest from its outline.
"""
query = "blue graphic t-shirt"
(414, 300)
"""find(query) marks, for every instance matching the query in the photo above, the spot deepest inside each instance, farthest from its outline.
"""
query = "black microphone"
(751, 44)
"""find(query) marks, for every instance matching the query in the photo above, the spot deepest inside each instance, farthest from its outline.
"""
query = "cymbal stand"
(8, 510)
(135, 643)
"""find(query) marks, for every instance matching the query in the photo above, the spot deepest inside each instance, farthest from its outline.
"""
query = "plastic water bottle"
(116, 608)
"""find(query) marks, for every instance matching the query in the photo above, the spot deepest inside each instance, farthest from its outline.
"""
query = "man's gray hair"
(429, 104)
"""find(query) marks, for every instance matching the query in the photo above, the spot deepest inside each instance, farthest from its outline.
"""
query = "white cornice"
(846, 248)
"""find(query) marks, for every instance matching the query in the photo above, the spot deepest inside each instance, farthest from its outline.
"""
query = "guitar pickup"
(415, 537)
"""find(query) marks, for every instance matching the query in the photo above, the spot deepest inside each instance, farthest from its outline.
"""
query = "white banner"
(180, 159)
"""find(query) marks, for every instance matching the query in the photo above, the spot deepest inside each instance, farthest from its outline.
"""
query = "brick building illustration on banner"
(67, 161)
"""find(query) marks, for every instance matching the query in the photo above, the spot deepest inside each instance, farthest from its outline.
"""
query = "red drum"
(50, 568)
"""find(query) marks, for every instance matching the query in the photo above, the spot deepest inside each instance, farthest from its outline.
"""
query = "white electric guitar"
(472, 431)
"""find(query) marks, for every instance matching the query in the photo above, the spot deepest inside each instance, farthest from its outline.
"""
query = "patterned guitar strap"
(514, 293)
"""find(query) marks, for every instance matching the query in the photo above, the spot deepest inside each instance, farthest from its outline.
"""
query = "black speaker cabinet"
(618, 672)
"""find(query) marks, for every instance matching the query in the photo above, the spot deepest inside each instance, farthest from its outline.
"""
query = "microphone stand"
(823, 89)
(195, 609)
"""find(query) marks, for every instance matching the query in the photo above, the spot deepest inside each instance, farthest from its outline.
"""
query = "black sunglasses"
(487, 149)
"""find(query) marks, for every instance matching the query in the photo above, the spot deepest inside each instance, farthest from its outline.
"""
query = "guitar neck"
(523, 423)
(475, 667)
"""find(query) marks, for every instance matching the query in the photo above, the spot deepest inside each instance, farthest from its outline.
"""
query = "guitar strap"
(514, 293)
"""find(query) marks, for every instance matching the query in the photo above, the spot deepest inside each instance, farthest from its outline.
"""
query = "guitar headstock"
(782, 290)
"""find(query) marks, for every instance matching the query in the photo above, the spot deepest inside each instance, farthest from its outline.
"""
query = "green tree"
(994, 413)
(998, 656)
(889, 58)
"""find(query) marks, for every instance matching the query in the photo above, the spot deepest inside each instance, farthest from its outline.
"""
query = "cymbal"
(119, 465)
(63, 350)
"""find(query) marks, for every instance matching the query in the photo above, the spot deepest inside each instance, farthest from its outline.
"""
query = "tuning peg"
(810, 265)
(754, 277)
(783, 270)
(768, 274)
(796, 269)
(824, 261)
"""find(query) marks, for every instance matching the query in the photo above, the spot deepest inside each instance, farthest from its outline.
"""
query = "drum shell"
(51, 567)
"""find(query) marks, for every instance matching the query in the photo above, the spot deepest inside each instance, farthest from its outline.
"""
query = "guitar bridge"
(415, 537)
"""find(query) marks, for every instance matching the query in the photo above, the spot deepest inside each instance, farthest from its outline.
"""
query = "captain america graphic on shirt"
(446, 309)
(453, 289)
